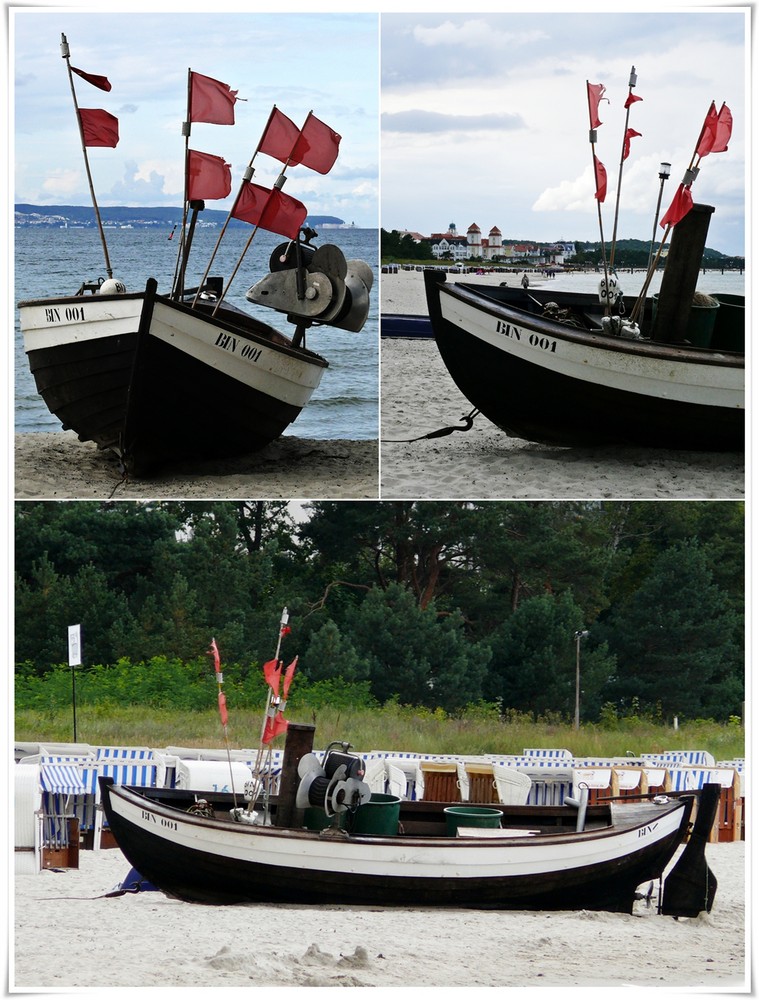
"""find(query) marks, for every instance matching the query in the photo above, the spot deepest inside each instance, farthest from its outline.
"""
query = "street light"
(664, 171)
(579, 636)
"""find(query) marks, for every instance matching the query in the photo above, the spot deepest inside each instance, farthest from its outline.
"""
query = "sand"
(57, 466)
(418, 396)
(68, 936)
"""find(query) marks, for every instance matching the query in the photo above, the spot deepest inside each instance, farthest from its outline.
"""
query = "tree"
(678, 640)
(533, 666)
(416, 655)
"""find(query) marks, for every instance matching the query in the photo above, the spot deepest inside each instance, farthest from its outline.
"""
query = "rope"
(467, 418)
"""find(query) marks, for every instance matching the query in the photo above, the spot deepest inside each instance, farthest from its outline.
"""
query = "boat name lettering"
(149, 815)
(53, 314)
(229, 343)
(645, 830)
(534, 340)
(170, 824)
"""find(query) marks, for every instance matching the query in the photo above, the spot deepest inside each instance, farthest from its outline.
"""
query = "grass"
(393, 728)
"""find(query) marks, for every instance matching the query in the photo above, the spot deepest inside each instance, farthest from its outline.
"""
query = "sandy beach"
(418, 396)
(57, 466)
(68, 936)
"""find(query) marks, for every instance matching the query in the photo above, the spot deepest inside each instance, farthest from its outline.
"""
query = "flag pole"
(632, 82)
(181, 265)
(592, 135)
(246, 177)
(65, 53)
(223, 714)
(258, 780)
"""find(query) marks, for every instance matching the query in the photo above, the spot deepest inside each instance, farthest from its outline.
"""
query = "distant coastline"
(136, 217)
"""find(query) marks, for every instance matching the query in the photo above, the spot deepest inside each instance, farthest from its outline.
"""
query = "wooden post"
(298, 742)
(684, 261)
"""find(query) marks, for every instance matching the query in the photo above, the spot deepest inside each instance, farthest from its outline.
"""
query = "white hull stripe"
(704, 384)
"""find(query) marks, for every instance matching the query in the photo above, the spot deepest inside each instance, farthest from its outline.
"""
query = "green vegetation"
(392, 727)
(441, 605)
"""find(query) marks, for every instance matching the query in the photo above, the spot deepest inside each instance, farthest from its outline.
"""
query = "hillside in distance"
(122, 215)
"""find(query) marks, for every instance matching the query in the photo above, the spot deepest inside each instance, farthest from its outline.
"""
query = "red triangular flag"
(274, 726)
(629, 134)
(223, 708)
(289, 677)
(596, 93)
(723, 131)
(631, 99)
(280, 136)
(101, 82)
(682, 203)
(214, 651)
(211, 101)
(317, 146)
(716, 131)
(208, 177)
(600, 179)
(270, 209)
(272, 674)
(99, 128)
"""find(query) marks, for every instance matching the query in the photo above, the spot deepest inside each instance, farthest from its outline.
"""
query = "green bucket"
(730, 325)
(456, 816)
(379, 815)
(701, 322)
(316, 819)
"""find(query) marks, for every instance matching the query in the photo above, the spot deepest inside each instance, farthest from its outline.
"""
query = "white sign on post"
(75, 645)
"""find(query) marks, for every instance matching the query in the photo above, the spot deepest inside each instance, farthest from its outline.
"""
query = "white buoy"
(112, 286)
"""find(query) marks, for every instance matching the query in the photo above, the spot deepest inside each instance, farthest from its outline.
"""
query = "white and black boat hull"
(542, 381)
(216, 861)
(158, 382)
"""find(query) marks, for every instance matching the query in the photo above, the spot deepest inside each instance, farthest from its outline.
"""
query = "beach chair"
(397, 783)
(441, 781)
(512, 785)
(374, 774)
(477, 781)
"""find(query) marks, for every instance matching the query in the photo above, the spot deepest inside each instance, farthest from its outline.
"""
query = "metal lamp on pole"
(664, 172)
(579, 636)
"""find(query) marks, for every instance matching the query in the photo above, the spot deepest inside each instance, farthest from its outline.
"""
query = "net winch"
(335, 784)
(315, 285)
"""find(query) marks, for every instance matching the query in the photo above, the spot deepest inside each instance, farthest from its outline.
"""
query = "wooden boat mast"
(65, 53)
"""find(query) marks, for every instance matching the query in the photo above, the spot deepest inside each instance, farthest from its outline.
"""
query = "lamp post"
(579, 636)
(664, 171)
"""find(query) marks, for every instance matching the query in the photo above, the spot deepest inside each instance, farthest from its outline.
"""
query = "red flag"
(600, 179)
(317, 146)
(270, 209)
(596, 93)
(274, 726)
(289, 678)
(629, 134)
(280, 136)
(101, 82)
(681, 205)
(272, 673)
(214, 651)
(99, 128)
(223, 709)
(631, 99)
(208, 176)
(708, 132)
(723, 130)
(211, 101)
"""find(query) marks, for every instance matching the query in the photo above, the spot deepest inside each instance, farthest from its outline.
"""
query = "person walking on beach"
(525, 282)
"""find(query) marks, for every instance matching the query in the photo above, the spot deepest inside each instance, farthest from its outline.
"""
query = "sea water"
(52, 262)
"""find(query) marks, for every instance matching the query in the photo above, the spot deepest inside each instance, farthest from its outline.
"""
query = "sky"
(325, 62)
(485, 120)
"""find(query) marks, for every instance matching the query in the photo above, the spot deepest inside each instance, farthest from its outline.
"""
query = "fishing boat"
(564, 368)
(180, 374)
(327, 839)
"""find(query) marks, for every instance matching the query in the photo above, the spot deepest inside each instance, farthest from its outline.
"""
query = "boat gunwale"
(134, 795)
(472, 295)
(224, 321)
